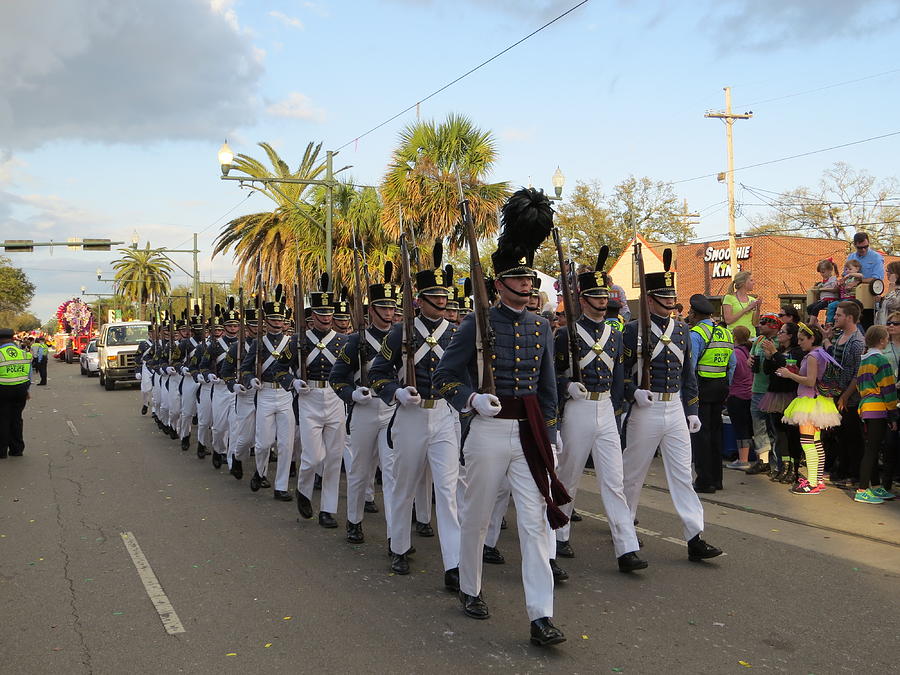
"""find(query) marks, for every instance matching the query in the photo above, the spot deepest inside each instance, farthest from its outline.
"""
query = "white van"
(117, 347)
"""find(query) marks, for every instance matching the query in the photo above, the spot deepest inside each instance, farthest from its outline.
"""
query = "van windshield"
(117, 336)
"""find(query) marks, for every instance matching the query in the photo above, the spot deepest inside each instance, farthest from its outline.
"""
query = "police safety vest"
(15, 365)
(616, 323)
(713, 362)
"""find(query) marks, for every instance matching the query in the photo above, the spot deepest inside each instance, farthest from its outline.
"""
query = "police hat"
(6, 332)
(701, 305)
(613, 306)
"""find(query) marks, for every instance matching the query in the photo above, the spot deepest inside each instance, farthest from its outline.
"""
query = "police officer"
(243, 417)
(369, 415)
(712, 357)
(190, 371)
(424, 428)
(273, 385)
(589, 424)
(321, 412)
(510, 435)
(39, 354)
(15, 373)
(612, 317)
(664, 414)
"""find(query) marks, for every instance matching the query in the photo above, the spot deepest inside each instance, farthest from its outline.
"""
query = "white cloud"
(297, 106)
(284, 19)
(124, 71)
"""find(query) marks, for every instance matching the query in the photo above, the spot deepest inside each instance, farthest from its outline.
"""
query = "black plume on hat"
(527, 219)
(438, 252)
(388, 271)
(323, 282)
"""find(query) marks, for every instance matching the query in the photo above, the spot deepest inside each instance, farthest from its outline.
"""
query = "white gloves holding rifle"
(643, 398)
(577, 391)
(301, 387)
(362, 395)
(693, 423)
(407, 396)
(485, 404)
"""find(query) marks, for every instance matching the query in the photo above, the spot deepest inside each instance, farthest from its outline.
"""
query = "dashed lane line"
(72, 428)
(158, 597)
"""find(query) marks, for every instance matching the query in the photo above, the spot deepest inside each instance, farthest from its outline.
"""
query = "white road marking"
(158, 597)
(72, 427)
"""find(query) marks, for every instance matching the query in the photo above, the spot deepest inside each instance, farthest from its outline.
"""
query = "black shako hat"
(435, 281)
(197, 322)
(526, 220)
(662, 283)
(322, 301)
(595, 284)
(385, 294)
(215, 321)
(231, 315)
(275, 308)
(341, 306)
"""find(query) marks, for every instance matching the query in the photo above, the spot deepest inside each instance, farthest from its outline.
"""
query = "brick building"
(781, 265)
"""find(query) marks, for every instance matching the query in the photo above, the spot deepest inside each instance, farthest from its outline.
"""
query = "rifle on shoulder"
(408, 313)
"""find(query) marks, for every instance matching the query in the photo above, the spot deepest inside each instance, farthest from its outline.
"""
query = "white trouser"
(662, 425)
(204, 416)
(274, 420)
(426, 437)
(146, 385)
(322, 435)
(188, 406)
(368, 425)
(222, 403)
(163, 399)
(242, 427)
(493, 452)
(175, 401)
(156, 396)
(589, 428)
(501, 506)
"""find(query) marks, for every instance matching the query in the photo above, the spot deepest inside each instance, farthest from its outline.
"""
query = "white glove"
(577, 391)
(301, 387)
(693, 424)
(137, 376)
(407, 396)
(239, 388)
(212, 378)
(255, 383)
(643, 398)
(170, 370)
(185, 371)
(362, 395)
(485, 404)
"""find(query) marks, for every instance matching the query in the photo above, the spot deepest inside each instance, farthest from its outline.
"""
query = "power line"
(189, 239)
(822, 88)
(464, 75)
(815, 200)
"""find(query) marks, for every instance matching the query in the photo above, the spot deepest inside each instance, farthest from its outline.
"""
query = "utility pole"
(728, 117)
(329, 211)
(689, 219)
(197, 273)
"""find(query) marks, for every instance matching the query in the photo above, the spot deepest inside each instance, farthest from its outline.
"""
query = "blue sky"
(111, 111)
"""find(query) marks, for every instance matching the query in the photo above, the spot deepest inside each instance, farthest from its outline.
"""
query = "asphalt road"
(257, 591)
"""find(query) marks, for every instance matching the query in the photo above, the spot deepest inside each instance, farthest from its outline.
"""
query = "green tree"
(845, 201)
(421, 182)
(49, 326)
(142, 276)
(16, 291)
(25, 321)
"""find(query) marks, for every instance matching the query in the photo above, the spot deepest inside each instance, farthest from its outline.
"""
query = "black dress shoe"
(630, 562)
(255, 482)
(564, 550)
(699, 550)
(217, 458)
(424, 530)
(371, 507)
(474, 606)
(544, 633)
(451, 580)
(575, 517)
(282, 496)
(201, 450)
(757, 468)
(327, 520)
(355, 533)
(185, 443)
(173, 434)
(237, 469)
(143, 410)
(399, 563)
(194, 420)
(705, 489)
(492, 556)
(410, 552)
(304, 507)
(264, 483)
(559, 574)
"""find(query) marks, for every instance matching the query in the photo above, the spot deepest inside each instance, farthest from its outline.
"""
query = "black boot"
(629, 562)
(304, 506)
(355, 533)
(399, 563)
(424, 530)
(327, 520)
(451, 580)
(217, 458)
(185, 443)
(699, 550)
(201, 450)
(255, 482)
(559, 574)
(564, 550)
(282, 496)
(237, 469)
(143, 410)
(575, 517)
(544, 633)
(474, 606)
(492, 556)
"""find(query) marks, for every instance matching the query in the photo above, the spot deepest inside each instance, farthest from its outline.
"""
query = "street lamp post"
(226, 159)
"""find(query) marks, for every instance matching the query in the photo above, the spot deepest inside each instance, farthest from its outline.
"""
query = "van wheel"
(109, 384)
(102, 379)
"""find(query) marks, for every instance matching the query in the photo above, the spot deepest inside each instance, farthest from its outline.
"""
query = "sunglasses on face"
(892, 323)
(862, 246)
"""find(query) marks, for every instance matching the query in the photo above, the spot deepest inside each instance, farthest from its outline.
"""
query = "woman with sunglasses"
(782, 391)
(810, 411)
(890, 301)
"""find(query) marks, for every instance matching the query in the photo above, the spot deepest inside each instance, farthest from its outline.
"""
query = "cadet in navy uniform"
(511, 435)
(173, 368)
(222, 398)
(141, 372)
(274, 402)
(321, 412)
(664, 415)
(369, 415)
(242, 420)
(190, 369)
(589, 419)
(424, 428)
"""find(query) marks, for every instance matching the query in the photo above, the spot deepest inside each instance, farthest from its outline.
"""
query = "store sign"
(721, 259)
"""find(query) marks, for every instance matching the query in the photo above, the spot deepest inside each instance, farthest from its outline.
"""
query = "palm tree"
(142, 276)
(421, 181)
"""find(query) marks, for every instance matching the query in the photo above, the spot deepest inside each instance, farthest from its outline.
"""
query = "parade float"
(74, 328)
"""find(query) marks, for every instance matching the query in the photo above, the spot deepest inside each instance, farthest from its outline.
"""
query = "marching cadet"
(154, 366)
(162, 362)
(664, 415)
(273, 383)
(190, 368)
(213, 358)
(321, 411)
(588, 421)
(173, 368)
(204, 396)
(369, 415)
(534, 300)
(451, 311)
(242, 420)
(512, 431)
(141, 372)
(424, 429)
(341, 320)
